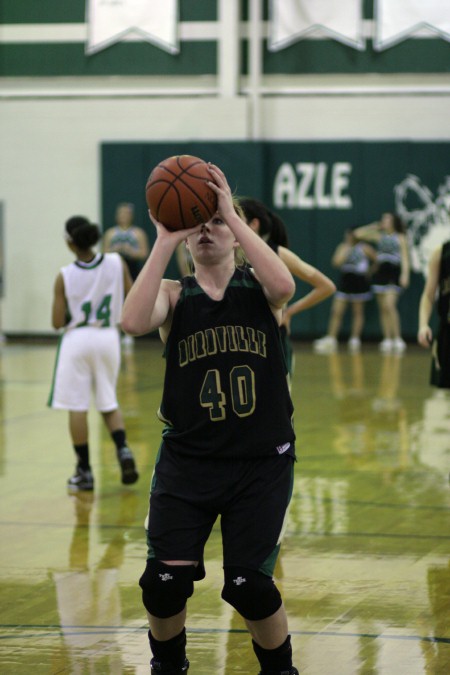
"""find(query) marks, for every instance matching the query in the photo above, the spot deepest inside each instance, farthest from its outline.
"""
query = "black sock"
(82, 452)
(119, 437)
(274, 660)
(171, 651)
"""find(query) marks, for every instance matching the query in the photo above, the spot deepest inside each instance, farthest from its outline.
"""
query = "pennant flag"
(397, 20)
(110, 21)
(292, 20)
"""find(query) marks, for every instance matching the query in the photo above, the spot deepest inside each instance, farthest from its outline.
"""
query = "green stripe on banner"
(74, 11)
(327, 56)
(245, 10)
(50, 11)
(200, 58)
(124, 58)
(193, 10)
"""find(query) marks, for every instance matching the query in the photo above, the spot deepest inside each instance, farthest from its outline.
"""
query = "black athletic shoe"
(127, 466)
(81, 480)
(168, 668)
(292, 671)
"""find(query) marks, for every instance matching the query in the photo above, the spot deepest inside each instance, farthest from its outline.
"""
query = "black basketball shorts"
(251, 496)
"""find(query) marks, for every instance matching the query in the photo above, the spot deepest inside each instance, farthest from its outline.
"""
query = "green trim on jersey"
(246, 283)
(191, 292)
(268, 565)
(52, 388)
(234, 283)
(90, 266)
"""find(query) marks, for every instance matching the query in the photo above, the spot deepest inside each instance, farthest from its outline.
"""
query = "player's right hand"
(425, 336)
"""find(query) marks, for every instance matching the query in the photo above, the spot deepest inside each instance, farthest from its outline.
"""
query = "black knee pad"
(166, 588)
(253, 594)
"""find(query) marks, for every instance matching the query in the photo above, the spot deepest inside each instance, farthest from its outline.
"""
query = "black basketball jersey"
(443, 306)
(225, 388)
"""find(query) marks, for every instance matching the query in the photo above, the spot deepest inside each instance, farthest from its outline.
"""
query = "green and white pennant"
(111, 21)
(397, 20)
(292, 20)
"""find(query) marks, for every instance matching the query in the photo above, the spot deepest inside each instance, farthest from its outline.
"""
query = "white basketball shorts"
(87, 362)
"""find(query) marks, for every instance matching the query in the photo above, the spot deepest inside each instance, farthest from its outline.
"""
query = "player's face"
(387, 222)
(215, 241)
(124, 215)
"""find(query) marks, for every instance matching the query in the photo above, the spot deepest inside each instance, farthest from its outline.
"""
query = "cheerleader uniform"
(120, 237)
(389, 263)
(354, 282)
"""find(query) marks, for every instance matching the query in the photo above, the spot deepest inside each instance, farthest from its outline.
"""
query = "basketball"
(177, 192)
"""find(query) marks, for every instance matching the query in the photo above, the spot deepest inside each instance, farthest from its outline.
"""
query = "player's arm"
(106, 240)
(322, 285)
(340, 254)
(275, 278)
(272, 273)
(148, 304)
(369, 232)
(370, 252)
(127, 280)
(182, 260)
(404, 274)
(59, 307)
(425, 334)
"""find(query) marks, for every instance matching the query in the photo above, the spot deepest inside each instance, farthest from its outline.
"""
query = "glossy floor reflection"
(365, 566)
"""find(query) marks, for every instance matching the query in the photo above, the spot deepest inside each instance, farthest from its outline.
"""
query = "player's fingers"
(161, 229)
(192, 230)
(216, 169)
(154, 221)
(218, 175)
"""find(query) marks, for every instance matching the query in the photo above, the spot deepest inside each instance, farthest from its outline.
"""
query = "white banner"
(110, 21)
(292, 20)
(397, 20)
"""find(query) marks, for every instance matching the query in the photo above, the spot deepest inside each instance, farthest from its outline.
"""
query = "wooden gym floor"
(365, 565)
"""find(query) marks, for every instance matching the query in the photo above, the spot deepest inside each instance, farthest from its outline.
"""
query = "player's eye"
(217, 221)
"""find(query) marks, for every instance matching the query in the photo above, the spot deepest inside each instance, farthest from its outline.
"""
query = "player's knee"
(166, 588)
(253, 594)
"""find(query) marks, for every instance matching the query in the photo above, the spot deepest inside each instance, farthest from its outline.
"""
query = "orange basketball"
(177, 192)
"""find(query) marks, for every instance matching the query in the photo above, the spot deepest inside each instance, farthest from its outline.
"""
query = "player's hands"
(219, 183)
(425, 336)
(124, 249)
(175, 236)
(116, 248)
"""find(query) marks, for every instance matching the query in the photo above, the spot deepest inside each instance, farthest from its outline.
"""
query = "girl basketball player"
(228, 444)
(437, 292)
(87, 302)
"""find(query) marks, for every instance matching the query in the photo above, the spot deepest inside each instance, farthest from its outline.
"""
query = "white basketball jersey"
(94, 291)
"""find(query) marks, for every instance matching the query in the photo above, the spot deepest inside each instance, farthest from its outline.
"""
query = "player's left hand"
(219, 183)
